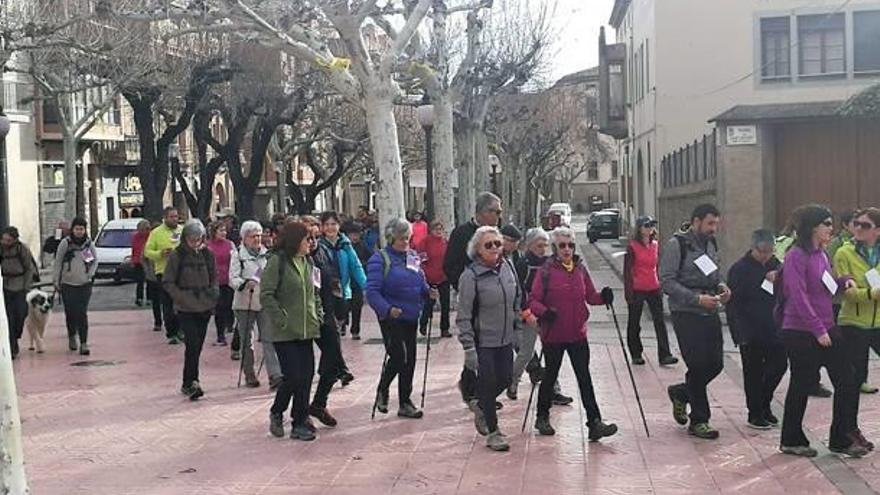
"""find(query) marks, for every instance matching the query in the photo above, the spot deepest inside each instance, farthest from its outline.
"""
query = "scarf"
(568, 265)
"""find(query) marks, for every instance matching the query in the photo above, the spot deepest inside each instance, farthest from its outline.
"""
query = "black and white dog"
(39, 308)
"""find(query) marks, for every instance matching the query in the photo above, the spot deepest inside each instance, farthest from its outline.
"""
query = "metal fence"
(693, 163)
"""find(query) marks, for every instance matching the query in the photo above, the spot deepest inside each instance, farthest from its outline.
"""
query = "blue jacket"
(371, 238)
(403, 288)
(349, 265)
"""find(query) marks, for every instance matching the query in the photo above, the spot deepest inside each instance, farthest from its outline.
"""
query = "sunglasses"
(496, 211)
(864, 225)
(828, 223)
(313, 239)
(569, 245)
(492, 245)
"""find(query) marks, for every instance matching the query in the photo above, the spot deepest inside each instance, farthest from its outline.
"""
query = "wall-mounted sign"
(130, 192)
(742, 135)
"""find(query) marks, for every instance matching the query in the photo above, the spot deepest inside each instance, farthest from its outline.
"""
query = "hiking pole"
(379, 387)
(532, 394)
(247, 320)
(629, 368)
(427, 357)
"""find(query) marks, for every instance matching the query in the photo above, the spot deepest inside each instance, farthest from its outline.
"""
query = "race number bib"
(830, 283)
(88, 256)
(413, 262)
(706, 265)
(316, 277)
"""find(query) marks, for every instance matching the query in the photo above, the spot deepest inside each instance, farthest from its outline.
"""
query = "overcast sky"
(578, 22)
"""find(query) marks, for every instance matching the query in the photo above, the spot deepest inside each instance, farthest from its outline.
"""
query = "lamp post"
(426, 120)
(4, 190)
(494, 163)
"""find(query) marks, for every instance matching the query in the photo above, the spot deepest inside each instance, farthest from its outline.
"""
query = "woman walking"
(811, 339)
(138, 242)
(222, 249)
(641, 284)
(397, 291)
(432, 251)
(190, 280)
(488, 319)
(348, 265)
(74, 272)
(245, 273)
(290, 299)
(559, 297)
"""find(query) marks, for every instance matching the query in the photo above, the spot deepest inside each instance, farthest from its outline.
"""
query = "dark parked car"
(604, 225)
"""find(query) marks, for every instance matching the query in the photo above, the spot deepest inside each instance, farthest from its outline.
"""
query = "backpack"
(204, 253)
(683, 248)
(22, 256)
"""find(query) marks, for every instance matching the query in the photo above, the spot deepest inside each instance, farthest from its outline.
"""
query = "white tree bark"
(467, 199)
(69, 147)
(444, 169)
(482, 168)
(12, 475)
(386, 156)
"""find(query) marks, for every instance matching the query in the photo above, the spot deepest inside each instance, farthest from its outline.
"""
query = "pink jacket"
(222, 251)
(567, 293)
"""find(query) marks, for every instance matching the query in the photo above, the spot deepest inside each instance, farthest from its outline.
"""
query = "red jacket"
(419, 233)
(138, 242)
(568, 293)
(433, 250)
(640, 268)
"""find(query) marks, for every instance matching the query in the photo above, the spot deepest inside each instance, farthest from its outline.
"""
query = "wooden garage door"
(836, 163)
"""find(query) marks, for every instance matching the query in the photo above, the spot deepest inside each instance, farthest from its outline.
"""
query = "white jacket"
(244, 266)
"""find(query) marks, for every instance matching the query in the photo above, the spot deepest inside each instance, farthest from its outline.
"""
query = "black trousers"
(859, 341)
(496, 370)
(154, 294)
(140, 280)
(764, 364)
(400, 345)
(702, 347)
(76, 310)
(579, 356)
(297, 360)
(428, 310)
(805, 355)
(634, 327)
(224, 318)
(356, 305)
(172, 328)
(195, 327)
(16, 312)
(330, 365)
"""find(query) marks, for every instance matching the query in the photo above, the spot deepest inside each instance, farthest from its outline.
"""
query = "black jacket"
(456, 252)
(526, 269)
(750, 311)
(322, 258)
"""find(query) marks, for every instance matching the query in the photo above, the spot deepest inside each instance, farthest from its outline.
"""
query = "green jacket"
(860, 308)
(160, 239)
(290, 299)
(844, 237)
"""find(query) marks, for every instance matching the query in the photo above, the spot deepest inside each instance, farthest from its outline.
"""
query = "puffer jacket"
(290, 299)
(75, 264)
(488, 306)
(404, 287)
(568, 293)
(245, 266)
(190, 280)
(18, 267)
(350, 269)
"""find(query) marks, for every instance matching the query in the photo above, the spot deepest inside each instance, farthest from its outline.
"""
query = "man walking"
(689, 274)
(162, 241)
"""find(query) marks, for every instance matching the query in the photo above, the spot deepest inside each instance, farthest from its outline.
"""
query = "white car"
(564, 211)
(113, 248)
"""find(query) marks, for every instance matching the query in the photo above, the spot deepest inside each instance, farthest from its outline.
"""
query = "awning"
(779, 111)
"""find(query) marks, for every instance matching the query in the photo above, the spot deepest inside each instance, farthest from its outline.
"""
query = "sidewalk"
(120, 426)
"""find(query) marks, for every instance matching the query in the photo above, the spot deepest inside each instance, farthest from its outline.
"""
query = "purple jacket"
(567, 293)
(808, 306)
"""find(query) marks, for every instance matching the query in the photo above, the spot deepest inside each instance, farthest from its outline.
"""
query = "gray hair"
(561, 233)
(474, 244)
(397, 228)
(534, 235)
(250, 227)
(194, 228)
(485, 201)
(763, 237)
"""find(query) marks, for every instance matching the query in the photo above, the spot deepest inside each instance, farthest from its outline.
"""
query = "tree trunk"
(444, 170)
(152, 183)
(464, 157)
(12, 475)
(70, 174)
(482, 169)
(386, 156)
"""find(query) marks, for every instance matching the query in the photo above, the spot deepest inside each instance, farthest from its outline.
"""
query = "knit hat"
(193, 229)
(646, 221)
(511, 232)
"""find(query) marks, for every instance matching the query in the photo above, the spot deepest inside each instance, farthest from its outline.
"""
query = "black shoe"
(446, 334)
(302, 432)
(139, 302)
(322, 415)
(799, 450)
(345, 378)
(157, 328)
(638, 360)
(820, 391)
(773, 420)
(562, 400)
(310, 425)
(409, 410)
(855, 450)
(423, 330)
(864, 441)
(355, 336)
(511, 392)
(542, 424)
(342, 330)
(84, 349)
(276, 425)
(679, 407)
(668, 360)
(704, 431)
(599, 430)
(251, 382)
(536, 375)
(196, 391)
(463, 392)
(382, 401)
(72, 344)
(498, 406)
(759, 424)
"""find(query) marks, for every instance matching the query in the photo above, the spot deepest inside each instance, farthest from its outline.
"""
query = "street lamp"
(4, 190)
(425, 114)
(494, 162)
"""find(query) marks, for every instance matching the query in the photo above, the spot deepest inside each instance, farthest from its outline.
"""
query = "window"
(866, 37)
(615, 169)
(593, 171)
(775, 49)
(822, 45)
(50, 112)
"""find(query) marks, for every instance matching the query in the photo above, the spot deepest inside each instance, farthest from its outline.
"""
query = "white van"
(564, 211)
(113, 248)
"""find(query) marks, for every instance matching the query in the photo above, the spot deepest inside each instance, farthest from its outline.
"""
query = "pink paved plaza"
(123, 428)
